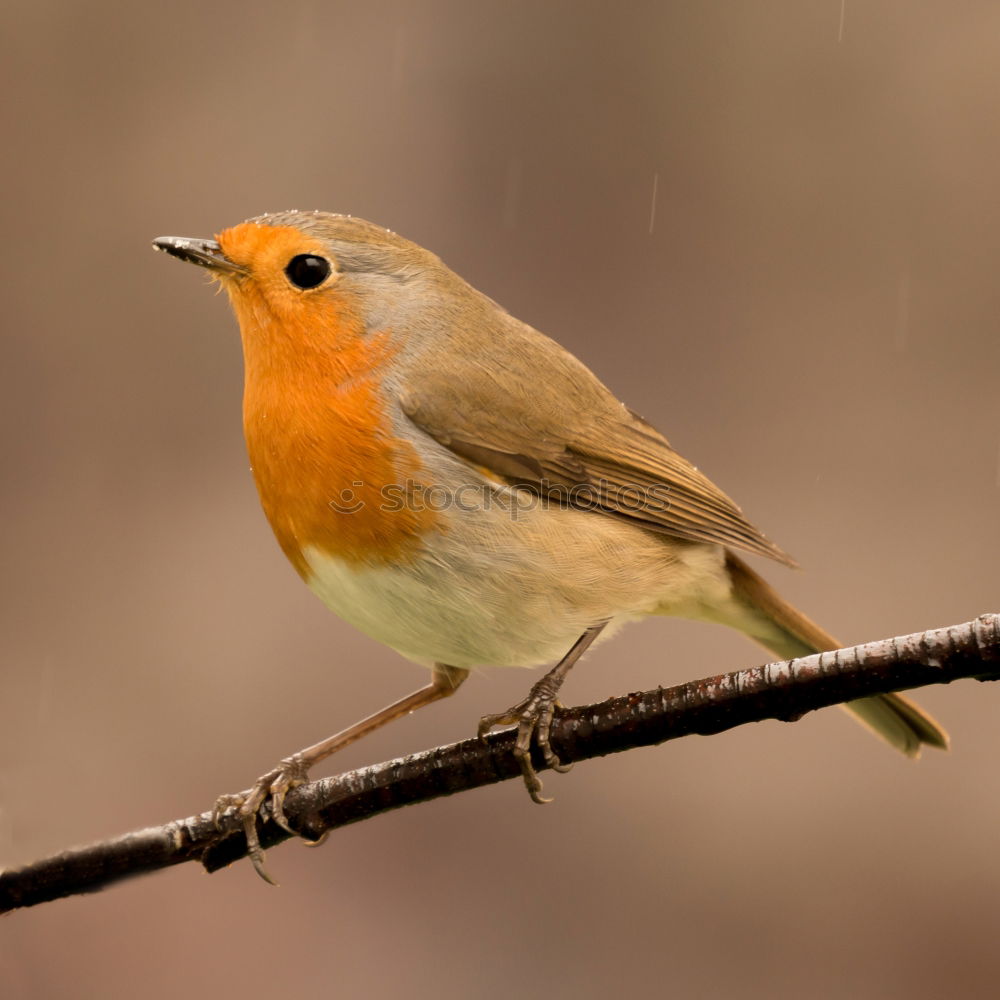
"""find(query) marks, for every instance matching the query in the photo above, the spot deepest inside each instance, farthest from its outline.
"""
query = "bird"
(460, 487)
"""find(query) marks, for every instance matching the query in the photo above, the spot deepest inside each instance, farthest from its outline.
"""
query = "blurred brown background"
(810, 313)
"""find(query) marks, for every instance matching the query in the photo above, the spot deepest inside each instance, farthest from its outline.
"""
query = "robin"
(458, 486)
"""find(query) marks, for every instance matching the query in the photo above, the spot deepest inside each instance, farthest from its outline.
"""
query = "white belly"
(493, 591)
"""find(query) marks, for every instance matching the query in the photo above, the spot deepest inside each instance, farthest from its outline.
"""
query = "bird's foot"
(533, 718)
(268, 793)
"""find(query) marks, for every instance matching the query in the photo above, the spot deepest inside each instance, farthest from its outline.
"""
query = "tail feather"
(787, 633)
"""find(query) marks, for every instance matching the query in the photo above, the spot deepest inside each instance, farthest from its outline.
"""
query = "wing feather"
(537, 418)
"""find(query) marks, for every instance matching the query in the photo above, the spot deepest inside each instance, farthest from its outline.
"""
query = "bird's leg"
(533, 716)
(293, 771)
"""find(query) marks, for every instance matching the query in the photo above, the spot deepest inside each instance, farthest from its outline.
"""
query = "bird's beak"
(204, 253)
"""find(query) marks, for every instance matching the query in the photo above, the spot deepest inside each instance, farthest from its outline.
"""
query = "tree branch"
(784, 691)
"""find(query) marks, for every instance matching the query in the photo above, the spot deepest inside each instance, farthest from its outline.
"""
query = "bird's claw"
(267, 794)
(533, 718)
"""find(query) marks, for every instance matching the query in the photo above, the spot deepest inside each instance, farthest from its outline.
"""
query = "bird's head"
(314, 279)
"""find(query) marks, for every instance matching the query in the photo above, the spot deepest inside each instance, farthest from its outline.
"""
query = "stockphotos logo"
(514, 500)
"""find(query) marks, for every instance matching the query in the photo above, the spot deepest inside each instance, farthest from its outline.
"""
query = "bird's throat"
(321, 443)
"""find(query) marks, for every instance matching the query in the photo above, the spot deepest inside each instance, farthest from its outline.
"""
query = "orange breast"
(322, 450)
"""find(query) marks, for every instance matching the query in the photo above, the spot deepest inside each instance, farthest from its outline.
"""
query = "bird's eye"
(307, 271)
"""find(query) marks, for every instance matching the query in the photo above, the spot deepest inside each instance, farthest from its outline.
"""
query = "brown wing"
(538, 418)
